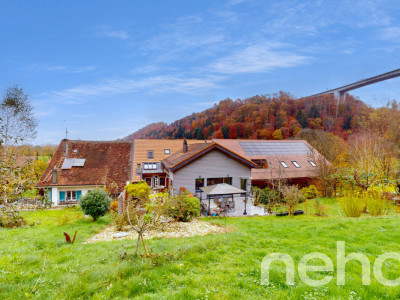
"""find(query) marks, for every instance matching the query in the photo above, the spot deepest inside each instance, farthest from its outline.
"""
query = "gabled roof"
(105, 162)
(274, 152)
(141, 146)
(195, 151)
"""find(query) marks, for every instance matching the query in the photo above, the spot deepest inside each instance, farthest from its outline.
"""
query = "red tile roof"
(106, 163)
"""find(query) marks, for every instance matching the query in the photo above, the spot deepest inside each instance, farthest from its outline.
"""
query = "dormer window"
(284, 164)
(150, 154)
(261, 163)
(167, 151)
(296, 164)
(312, 163)
(149, 166)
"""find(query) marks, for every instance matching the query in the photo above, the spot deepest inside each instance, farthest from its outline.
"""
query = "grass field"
(36, 262)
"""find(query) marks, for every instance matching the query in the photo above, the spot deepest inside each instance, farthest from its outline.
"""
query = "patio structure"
(221, 200)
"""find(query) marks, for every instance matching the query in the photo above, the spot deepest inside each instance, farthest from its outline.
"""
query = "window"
(296, 164)
(71, 195)
(312, 163)
(150, 154)
(199, 183)
(162, 181)
(212, 181)
(167, 151)
(155, 180)
(243, 184)
(150, 166)
(284, 164)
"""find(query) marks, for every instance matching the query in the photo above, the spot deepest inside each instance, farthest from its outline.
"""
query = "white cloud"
(257, 59)
(58, 68)
(82, 69)
(149, 85)
(112, 33)
(390, 33)
(55, 68)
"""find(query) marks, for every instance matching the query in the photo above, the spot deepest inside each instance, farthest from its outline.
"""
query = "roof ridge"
(113, 141)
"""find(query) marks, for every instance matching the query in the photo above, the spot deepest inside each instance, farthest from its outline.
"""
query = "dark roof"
(105, 163)
(195, 151)
(274, 152)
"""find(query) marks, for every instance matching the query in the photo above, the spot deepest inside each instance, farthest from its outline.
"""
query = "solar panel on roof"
(79, 162)
(67, 164)
(261, 148)
(72, 162)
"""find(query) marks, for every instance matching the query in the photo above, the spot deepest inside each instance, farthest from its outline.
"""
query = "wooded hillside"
(278, 116)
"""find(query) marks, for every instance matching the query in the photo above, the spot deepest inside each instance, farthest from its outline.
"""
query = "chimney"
(185, 145)
(65, 148)
(54, 174)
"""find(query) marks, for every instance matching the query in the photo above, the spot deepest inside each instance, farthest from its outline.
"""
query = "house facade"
(147, 157)
(206, 164)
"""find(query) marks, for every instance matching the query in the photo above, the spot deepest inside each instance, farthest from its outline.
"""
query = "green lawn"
(209, 267)
(44, 158)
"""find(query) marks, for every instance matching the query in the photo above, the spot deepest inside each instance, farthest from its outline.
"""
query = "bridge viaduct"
(341, 91)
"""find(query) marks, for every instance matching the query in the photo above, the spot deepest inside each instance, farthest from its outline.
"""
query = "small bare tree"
(292, 196)
(144, 210)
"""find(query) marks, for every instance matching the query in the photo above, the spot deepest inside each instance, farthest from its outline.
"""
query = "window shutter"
(78, 195)
(62, 196)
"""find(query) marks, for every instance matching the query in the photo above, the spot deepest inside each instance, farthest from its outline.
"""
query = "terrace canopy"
(223, 190)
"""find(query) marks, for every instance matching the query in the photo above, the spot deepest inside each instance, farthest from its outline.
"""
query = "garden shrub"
(114, 205)
(183, 207)
(95, 203)
(377, 204)
(121, 221)
(10, 217)
(352, 204)
(292, 196)
(310, 192)
(320, 209)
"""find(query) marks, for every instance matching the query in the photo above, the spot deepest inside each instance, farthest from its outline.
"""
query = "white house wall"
(212, 165)
(55, 191)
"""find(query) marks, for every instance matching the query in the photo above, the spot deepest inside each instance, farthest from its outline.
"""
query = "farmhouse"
(79, 166)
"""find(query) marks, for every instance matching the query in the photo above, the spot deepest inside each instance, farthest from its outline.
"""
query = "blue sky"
(107, 68)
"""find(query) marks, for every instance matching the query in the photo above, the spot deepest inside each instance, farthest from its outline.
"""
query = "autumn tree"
(17, 126)
(329, 156)
(371, 160)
